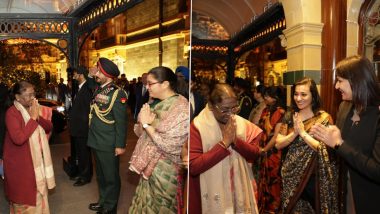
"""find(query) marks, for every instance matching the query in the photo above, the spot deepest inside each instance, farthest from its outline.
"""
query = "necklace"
(355, 118)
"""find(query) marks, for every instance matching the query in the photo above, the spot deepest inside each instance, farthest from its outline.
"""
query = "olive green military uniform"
(108, 120)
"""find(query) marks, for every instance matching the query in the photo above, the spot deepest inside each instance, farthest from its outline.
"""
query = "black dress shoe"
(74, 178)
(81, 182)
(95, 207)
(106, 211)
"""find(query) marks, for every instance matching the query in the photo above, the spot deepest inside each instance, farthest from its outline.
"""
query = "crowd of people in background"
(300, 162)
(246, 150)
(96, 101)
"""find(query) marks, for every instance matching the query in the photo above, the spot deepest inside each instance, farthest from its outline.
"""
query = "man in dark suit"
(142, 95)
(79, 127)
(62, 90)
(106, 135)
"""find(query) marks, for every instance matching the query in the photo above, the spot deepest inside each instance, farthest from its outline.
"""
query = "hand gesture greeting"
(229, 132)
(34, 109)
(298, 124)
(146, 115)
(330, 135)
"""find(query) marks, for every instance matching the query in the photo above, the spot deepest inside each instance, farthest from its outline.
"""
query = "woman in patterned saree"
(269, 182)
(162, 129)
(308, 163)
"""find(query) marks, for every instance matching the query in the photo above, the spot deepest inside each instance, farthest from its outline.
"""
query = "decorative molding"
(102, 11)
(40, 27)
(302, 28)
(304, 34)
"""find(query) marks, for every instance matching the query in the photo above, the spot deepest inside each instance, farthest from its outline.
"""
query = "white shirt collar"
(102, 86)
(80, 86)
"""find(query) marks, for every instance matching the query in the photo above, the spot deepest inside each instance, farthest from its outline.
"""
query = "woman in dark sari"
(269, 182)
(308, 171)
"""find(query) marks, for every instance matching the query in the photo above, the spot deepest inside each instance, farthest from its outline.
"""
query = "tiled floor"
(67, 199)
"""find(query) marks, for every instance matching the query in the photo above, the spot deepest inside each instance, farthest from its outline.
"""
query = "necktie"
(143, 90)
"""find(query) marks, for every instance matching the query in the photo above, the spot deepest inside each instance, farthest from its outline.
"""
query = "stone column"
(303, 33)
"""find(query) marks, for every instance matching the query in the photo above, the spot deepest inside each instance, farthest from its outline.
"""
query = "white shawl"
(40, 151)
(227, 186)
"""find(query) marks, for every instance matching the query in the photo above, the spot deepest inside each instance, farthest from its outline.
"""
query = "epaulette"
(110, 87)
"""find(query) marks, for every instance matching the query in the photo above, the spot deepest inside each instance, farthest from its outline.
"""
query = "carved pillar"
(334, 39)
(303, 33)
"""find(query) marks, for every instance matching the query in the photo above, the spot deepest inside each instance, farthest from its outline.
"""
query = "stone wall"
(140, 60)
(170, 8)
(147, 13)
(142, 14)
(137, 58)
(173, 53)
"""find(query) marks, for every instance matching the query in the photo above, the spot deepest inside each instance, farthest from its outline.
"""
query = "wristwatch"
(145, 125)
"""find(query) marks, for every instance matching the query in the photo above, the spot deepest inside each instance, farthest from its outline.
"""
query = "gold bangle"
(304, 135)
(223, 144)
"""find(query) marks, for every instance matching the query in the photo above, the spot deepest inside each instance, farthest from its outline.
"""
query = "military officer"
(107, 134)
(241, 88)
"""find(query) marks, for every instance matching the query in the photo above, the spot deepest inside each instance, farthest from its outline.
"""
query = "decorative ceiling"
(40, 6)
(233, 15)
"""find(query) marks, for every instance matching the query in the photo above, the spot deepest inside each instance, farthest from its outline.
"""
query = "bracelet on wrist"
(303, 135)
(145, 125)
(223, 144)
(262, 151)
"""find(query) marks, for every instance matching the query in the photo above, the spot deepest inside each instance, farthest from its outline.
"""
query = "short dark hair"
(162, 74)
(219, 92)
(242, 83)
(260, 89)
(276, 93)
(316, 99)
(360, 73)
(20, 87)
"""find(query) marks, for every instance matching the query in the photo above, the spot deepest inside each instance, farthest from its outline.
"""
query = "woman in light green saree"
(162, 129)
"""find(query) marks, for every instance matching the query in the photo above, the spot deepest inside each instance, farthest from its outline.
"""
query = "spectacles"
(233, 110)
(150, 84)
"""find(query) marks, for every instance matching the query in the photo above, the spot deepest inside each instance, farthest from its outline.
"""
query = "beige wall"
(138, 58)
(353, 9)
(147, 12)
(304, 37)
(173, 53)
(303, 33)
(142, 14)
(141, 59)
